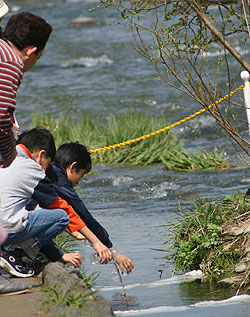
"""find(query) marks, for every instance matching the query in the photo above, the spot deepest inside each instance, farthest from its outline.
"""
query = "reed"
(163, 148)
(201, 160)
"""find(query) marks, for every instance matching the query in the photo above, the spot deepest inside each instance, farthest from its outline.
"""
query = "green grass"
(196, 240)
(163, 148)
(68, 299)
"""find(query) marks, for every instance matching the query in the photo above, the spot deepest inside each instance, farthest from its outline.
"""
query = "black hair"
(73, 152)
(38, 139)
(51, 174)
(26, 29)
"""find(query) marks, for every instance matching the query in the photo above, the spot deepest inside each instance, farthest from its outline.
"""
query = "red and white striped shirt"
(11, 74)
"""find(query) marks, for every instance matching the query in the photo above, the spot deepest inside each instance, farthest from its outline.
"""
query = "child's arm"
(104, 253)
(73, 258)
(77, 235)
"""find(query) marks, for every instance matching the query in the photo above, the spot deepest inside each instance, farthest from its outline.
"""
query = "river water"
(88, 70)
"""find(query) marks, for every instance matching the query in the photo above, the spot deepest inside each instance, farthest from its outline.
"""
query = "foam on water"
(187, 277)
(116, 181)
(88, 61)
(165, 309)
(155, 191)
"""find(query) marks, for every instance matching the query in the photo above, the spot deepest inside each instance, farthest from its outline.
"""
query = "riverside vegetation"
(214, 237)
(163, 148)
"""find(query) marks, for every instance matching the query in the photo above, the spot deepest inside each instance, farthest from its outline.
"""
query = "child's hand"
(124, 262)
(105, 255)
(73, 258)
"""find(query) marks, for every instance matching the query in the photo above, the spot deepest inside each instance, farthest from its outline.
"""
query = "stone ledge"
(71, 280)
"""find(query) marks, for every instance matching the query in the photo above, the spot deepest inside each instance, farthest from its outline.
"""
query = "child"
(72, 161)
(25, 179)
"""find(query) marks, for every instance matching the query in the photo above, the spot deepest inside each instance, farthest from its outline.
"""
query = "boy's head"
(40, 142)
(29, 33)
(76, 160)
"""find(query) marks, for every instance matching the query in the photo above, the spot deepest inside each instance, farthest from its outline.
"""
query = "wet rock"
(69, 282)
(84, 21)
(230, 281)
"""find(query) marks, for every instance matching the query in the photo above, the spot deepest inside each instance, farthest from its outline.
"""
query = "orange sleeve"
(75, 222)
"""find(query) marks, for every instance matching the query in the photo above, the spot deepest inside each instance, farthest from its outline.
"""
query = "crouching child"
(34, 230)
(71, 162)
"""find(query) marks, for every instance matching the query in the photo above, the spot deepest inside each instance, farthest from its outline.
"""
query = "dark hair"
(25, 29)
(73, 152)
(38, 139)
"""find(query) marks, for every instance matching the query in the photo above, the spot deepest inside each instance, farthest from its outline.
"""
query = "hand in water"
(73, 258)
(105, 255)
(124, 262)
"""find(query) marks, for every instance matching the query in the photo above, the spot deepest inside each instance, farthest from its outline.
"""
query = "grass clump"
(68, 299)
(209, 237)
(205, 160)
(163, 148)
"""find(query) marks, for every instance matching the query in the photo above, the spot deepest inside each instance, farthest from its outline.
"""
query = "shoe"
(14, 265)
(10, 287)
(37, 265)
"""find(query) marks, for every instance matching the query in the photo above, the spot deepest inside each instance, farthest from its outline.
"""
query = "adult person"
(21, 44)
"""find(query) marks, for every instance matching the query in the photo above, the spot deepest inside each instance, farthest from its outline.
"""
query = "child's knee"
(64, 219)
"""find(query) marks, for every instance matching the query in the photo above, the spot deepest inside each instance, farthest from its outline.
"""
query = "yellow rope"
(114, 146)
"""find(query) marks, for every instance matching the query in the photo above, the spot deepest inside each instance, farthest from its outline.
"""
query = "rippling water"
(88, 70)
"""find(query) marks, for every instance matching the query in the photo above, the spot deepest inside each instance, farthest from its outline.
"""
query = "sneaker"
(10, 287)
(14, 265)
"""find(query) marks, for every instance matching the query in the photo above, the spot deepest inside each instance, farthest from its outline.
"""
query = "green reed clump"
(198, 239)
(205, 160)
(163, 148)
(133, 125)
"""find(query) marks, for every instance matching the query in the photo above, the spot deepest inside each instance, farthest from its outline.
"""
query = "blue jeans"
(43, 226)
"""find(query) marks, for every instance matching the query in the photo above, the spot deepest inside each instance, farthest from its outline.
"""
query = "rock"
(69, 282)
(240, 268)
(230, 281)
(84, 21)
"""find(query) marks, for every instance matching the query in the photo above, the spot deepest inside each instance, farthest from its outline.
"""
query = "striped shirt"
(11, 74)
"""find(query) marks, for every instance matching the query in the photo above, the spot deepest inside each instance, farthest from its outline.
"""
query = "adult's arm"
(11, 74)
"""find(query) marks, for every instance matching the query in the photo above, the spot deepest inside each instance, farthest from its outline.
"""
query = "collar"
(26, 151)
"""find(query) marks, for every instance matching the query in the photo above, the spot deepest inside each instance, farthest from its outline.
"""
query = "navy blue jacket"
(67, 192)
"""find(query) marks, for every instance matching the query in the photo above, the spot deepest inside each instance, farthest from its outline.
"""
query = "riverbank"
(215, 238)
(57, 291)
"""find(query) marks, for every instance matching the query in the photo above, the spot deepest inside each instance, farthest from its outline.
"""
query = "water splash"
(121, 281)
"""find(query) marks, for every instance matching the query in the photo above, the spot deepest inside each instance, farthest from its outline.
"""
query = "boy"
(72, 161)
(25, 178)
